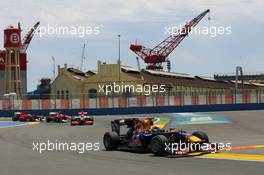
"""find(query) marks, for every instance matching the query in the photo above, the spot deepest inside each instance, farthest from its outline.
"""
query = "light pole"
(53, 71)
(119, 59)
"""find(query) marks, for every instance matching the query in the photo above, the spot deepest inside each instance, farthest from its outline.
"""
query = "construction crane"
(82, 57)
(159, 54)
(27, 39)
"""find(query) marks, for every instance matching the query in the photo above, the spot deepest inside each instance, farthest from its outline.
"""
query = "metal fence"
(78, 101)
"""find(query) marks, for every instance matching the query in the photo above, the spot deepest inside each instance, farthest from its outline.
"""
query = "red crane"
(27, 39)
(159, 54)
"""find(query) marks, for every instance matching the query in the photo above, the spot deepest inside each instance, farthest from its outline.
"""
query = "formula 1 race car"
(57, 117)
(82, 119)
(144, 136)
(26, 117)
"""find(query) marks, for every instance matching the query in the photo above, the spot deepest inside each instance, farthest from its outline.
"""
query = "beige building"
(71, 82)
(74, 82)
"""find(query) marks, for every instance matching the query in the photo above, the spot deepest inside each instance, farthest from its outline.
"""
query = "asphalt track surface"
(18, 158)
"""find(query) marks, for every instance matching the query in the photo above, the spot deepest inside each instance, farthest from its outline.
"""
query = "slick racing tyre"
(14, 118)
(111, 141)
(201, 135)
(157, 145)
(48, 119)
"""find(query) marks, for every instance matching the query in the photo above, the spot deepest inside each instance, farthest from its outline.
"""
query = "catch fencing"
(123, 101)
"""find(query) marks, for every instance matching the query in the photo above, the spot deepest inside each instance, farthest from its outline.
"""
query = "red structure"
(159, 54)
(13, 60)
(12, 37)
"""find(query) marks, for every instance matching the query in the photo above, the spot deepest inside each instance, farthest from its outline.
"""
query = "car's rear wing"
(129, 122)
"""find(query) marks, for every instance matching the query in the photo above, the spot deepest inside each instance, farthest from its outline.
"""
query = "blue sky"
(144, 21)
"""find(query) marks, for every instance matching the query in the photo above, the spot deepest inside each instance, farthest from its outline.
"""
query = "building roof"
(168, 78)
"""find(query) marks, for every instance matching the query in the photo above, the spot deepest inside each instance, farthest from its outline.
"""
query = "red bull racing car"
(26, 117)
(57, 117)
(82, 119)
(142, 135)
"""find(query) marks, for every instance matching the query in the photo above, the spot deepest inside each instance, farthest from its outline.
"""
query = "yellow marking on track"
(259, 146)
(235, 156)
(32, 123)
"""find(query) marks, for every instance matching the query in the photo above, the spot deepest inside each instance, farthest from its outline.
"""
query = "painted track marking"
(234, 156)
(9, 124)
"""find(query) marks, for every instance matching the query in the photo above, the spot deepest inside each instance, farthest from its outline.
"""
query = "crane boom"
(27, 39)
(159, 54)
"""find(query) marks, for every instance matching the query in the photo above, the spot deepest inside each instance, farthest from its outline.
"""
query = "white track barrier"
(57, 104)
(171, 101)
(93, 102)
(76, 103)
(18, 104)
(202, 99)
(115, 102)
(53, 103)
(132, 102)
(166, 101)
(253, 98)
(187, 100)
(110, 102)
(36, 104)
(239, 99)
(149, 101)
(219, 99)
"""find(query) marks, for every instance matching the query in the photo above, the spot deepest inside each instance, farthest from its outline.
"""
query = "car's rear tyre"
(72, 124)
(111, 141)
(14, 118)
(157, 145)
(48, 119)
(201, 135)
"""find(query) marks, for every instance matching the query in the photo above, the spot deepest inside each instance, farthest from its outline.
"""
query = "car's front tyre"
(157, 145)
(201, 135)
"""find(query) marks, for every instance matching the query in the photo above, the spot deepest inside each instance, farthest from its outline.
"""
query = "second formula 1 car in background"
(82, 119)
(57, 117)
(26, 117)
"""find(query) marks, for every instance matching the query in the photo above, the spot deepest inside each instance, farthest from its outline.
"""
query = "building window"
(92, 93)
(62, 94)
(58, 94)
(67, 94)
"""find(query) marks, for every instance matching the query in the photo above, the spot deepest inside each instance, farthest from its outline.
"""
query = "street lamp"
(119, 59)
